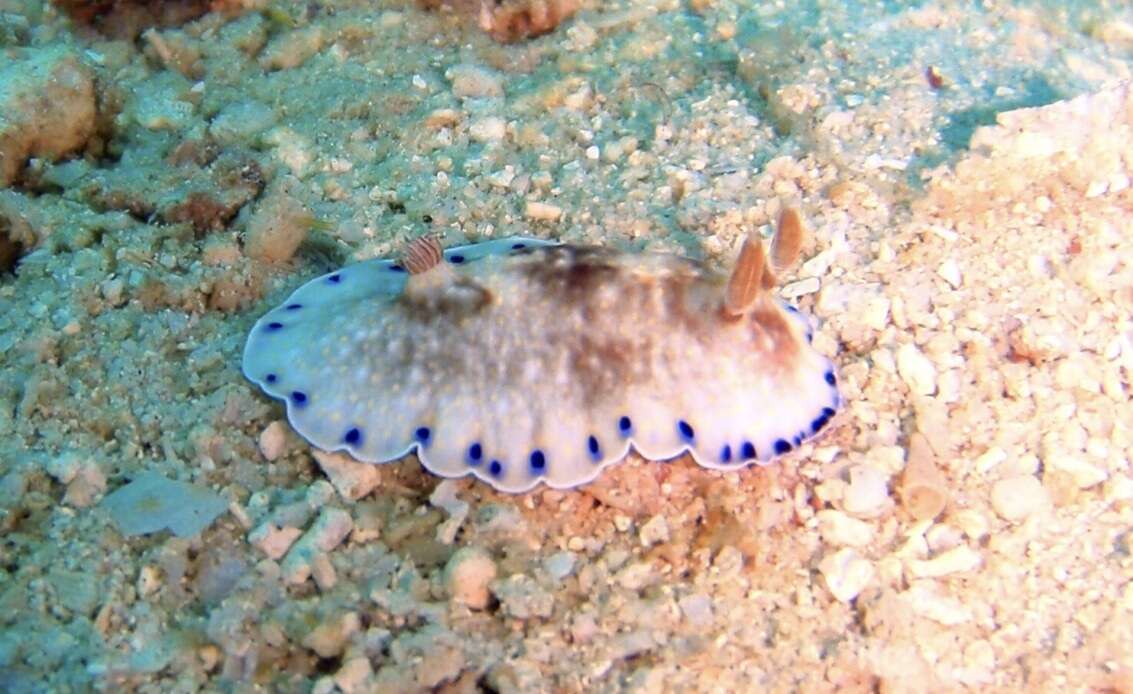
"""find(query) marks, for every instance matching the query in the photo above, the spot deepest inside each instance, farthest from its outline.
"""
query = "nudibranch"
(523, 361)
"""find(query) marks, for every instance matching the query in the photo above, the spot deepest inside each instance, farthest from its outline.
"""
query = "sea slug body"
(523, 361)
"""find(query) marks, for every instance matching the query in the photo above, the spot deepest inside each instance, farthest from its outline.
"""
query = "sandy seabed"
(965, 175)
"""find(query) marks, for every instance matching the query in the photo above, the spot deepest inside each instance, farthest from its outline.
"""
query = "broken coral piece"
(924, 489)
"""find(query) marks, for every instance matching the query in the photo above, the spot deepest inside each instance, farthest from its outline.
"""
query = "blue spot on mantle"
(686, 430)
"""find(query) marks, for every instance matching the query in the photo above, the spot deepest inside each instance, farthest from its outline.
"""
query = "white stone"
(322, 571)
(273, 440)
(990, 458)
(352, 479)
(846, 574)
(329, 638)
(916, 370)
(839, 529)
(467, 576)
(474, 81)
(949, 271)
(1085, 475)
(1118, 488)
(542, 211)
(925, 600)
(876, 313)
(489, 129)
(273, 541)
(1016, 498)
(331, 528)
(354, 675)
(560, 565)
(64, 466)
(319, 493)
(328, 531)
(444, 497)
(149, 580)
(654, 531)
(867, 495)
(522, 598)
(636, 575)
(697, 609)
(802, 287)
(956, 560)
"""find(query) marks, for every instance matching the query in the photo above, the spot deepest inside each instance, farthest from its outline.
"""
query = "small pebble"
(86, 487)
(522, 598)
(322, 571)
(876, 313)
(273, 541)
(846, 574)
(560, 565)
(473, 81)
(949, 271)
(279, 224)
(1084, 474)
(867, 495)
(273, 440)
(328, 531)
(583, 627)
(444, 497)
(542, 211)
(841, 530)
(1016, 498)
(331, 528)
(654, 531)
(916, 370)
(354, 675)
(490, 129)
(956, 560)
(329, 638)
(319, 493)
(467, 576)
(637, 575)
(64, 466)
(925, 600)
(149, 580)
(697, 609)
(352, 479)
(794, 290)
